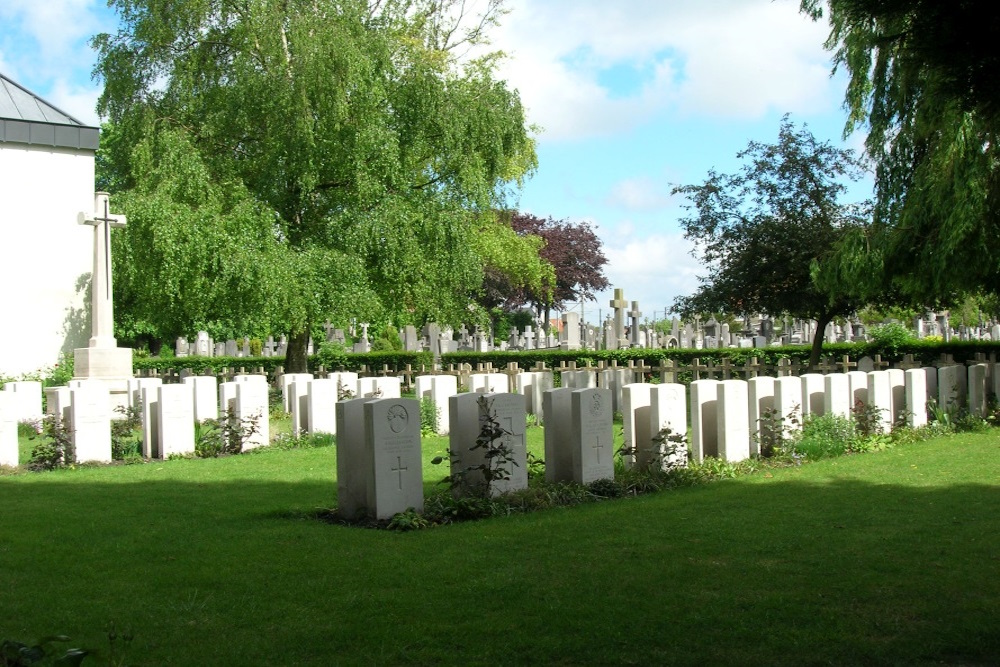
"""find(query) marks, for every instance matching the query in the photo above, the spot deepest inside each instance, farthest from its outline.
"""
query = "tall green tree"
(924, 83)
(358, 143)
(763, 231)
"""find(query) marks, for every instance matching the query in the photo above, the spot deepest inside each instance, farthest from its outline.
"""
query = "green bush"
(824, 436)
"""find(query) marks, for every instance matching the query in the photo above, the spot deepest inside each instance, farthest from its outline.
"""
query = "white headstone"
(636, 422)
(760, 394)
(488, 383)
(733, 420)
(952, 388)
(251, 406)
(788, 402)
(352, 471)
(379, 387)
(285, 381)
(8, 430)
(175, 419)
(704, 419)
(978, 389)
(150, 396)
(880, 398)
(813, 394)
(858, 388)
(668, 410)
(897, 394)
(837, 400)
(27, 400)
(205, 394)
(443, 387)
(557, 407)
(90, 412)
(916, 397)
(592, 435)
(298, 401)
(227, 398)
(321, 413)
(469, 413)
(392, 448)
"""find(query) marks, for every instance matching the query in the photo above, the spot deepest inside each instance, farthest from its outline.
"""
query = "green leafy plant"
(126, 441)
(287, 441)
(775, 433)
(54, 447)
(226, 435)
(429, 416)
(497, 460)
(825, 436)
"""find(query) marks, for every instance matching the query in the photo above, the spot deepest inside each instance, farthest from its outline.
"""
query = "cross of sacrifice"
(102, 220)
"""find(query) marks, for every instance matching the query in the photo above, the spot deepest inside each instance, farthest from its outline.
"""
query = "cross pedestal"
(103, 359)
(620, 304)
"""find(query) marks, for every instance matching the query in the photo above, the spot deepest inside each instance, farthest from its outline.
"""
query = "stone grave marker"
(532, 385)
(298, 401)
(251, 406)
(175, 419)
(286, 380)
(977, 376)
(813, 394)
(488, 383)
(916, 397)
(392, 448)
(556, 405)
(636, 422)
(379, 387)
(897, 395)
(732, 411)
(837, 400)
(788, 401)
(592, 453)
(880, 398)
(704, 418)
(760, 396)
(858, 387)
(352, 471)
(952, 390)
(8, 429)
(321, 413)
(469, 413)
(27, 400)
(90, 413)
(204, 396)
(150, 396)
(668, 409)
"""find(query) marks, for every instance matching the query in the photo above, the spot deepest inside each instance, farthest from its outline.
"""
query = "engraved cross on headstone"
(399, 470)
(103, 328)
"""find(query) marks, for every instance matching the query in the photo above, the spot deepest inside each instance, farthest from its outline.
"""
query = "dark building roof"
(25, 118)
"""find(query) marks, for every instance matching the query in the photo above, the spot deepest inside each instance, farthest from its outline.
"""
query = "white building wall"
(45, 254)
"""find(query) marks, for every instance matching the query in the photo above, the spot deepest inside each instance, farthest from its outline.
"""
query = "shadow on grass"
(789, 572)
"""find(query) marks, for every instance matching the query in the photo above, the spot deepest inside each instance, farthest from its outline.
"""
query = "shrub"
(126, 443)
(825, 436)
(55, 447)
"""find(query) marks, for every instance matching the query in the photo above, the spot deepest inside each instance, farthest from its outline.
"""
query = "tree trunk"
(817, 342)
(296, 357)
(547, 318)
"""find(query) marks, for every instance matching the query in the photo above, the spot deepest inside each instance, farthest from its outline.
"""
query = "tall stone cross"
(634, 314)
(620, 304)
(102, 309)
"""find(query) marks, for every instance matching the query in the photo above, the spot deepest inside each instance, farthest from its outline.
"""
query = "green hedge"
(926, 353)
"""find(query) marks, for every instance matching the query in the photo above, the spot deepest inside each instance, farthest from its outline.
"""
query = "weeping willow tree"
(924, 83)
(284, 162)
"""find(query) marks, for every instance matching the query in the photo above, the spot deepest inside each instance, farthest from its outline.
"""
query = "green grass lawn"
(888, 558)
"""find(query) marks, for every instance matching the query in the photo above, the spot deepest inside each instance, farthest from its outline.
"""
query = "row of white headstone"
(380, 461)
(726, 415)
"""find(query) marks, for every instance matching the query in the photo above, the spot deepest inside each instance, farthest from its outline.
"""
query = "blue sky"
(631, 98)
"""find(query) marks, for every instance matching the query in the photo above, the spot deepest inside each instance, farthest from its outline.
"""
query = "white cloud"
(640, 194)
(652, 270)
(76, 101)
(726, 58)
